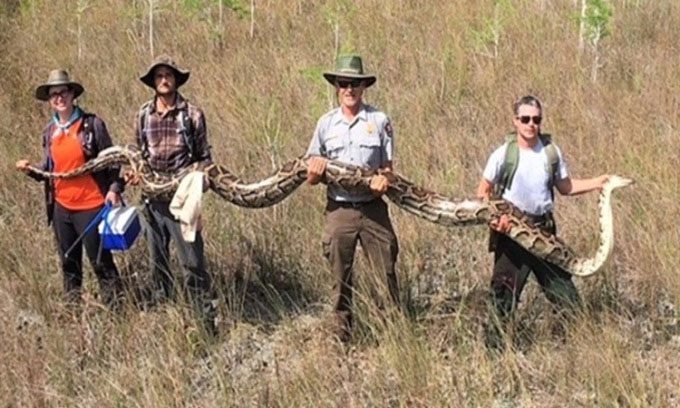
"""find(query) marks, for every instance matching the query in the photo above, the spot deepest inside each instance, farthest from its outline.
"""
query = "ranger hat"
(58, 77)
(181, 76)
(349, 66)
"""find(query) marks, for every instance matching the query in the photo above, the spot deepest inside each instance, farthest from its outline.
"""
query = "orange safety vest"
(80, 193)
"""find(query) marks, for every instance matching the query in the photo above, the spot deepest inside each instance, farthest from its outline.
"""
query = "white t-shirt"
(529, 188)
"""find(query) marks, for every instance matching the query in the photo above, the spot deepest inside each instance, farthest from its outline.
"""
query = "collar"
(180, 103)
(340, 117)
(77, 114)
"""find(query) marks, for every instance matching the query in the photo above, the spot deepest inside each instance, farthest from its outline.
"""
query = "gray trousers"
(196, 282)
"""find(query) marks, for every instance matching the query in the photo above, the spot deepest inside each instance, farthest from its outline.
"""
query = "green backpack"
(511, 161)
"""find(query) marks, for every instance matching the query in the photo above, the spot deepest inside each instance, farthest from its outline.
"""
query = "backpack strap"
(184, 128)
(553, 161)
(509, 166)
(142, 126)
(88, 140)
(511, 162)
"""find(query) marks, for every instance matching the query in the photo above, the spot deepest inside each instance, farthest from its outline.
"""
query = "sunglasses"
(527, 119)
(64, 93)
(346, 83)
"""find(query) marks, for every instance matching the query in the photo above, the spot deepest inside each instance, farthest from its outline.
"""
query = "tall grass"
(449, 101)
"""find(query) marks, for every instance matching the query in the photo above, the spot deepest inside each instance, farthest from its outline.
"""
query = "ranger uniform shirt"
(529, 190)
(366, 141)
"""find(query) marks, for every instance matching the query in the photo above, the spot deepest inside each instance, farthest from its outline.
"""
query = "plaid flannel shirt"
(167, 149)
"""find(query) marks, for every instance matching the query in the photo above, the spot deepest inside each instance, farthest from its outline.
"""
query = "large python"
(424, 203)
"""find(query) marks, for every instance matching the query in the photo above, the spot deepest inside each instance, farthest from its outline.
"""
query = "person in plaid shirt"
(172, 134)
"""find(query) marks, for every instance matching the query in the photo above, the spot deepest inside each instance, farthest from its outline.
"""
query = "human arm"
(202, 154)
(23, 165)
(487, 186)
(315, 169)
(316, 165)
(380, 183)
(129, 176)
(485, 189)
(484, 192)
(571, 187)
(112, 176)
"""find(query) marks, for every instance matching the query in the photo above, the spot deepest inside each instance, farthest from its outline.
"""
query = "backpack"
(511, 162)
(184, 128)
(89, 143)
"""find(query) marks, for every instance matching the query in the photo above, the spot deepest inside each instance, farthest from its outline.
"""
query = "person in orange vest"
(71, 138)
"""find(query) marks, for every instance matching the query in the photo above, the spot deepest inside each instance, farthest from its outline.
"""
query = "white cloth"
(186, 204)
(529, 190)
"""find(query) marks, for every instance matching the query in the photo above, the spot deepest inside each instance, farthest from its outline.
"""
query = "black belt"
(545, 221)
(537, 219)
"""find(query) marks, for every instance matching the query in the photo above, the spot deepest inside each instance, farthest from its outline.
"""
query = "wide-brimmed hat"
(58, 77)
(181, 75)
(349, 66)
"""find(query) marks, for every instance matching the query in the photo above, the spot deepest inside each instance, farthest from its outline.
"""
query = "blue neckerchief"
(77, 114)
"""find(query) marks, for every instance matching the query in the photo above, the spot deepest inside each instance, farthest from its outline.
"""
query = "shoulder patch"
(388, 128)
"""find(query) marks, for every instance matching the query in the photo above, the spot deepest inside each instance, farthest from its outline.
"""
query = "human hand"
(22, 165)
(113, 198)
(206, 182)
(130, 177)
(315, 169)
(501, 224)
(601, 181)
(379, 185)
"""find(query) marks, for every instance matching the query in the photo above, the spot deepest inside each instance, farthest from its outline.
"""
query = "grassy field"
(447, 74)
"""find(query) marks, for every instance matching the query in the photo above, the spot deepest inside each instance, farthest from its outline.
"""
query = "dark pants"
(370, 225)
(512, 265)
(68, 226)
(196, 281)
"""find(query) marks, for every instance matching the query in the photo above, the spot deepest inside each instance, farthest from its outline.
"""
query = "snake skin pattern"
(424, 203)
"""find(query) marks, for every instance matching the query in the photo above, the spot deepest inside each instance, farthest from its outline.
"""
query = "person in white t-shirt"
(531, 190)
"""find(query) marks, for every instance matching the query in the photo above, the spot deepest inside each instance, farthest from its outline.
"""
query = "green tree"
(595, 25)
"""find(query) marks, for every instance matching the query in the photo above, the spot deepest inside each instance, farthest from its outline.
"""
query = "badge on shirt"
(369, 128)
(388, 129)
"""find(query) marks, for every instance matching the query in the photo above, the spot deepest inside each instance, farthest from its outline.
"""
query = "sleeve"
(44, 164)
(388, 141)
(492, 170)
(204, 157)
(137, 139)
(316, 147)
(562, 170)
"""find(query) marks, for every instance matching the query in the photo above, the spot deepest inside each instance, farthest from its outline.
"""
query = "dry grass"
(450, 106)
